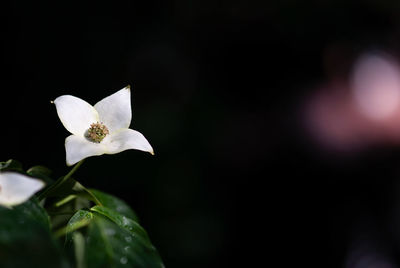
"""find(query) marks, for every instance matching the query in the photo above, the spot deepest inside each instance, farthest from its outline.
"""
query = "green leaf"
(108, 243)
(115, 203)
(41, 172)
(25, 240)
(124, 222)
(112, 240)
(80, 219)
(82, 191)
(66, 216)
(11, 165)
(35, 211)
(62, 189)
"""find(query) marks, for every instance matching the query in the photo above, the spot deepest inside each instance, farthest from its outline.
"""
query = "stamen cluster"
(97, 132)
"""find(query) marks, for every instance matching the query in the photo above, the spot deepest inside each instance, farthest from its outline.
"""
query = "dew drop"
(110, 231)
(123, 260)
(128, 239)
(127, 248)
(125, 221)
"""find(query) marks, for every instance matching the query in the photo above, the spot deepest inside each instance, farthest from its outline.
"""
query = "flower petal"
(127, 139)
(78, 148)
(115, 110)
(16, 188)
(75, 114)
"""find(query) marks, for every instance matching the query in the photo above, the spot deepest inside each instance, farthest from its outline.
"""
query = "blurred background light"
(376, 85)
(365, 255)
(354, 110)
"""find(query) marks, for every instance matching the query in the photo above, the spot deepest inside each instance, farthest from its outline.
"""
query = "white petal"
(16, 188)
(115, 110)
(75, 114)
(78, 148)
(127, 139)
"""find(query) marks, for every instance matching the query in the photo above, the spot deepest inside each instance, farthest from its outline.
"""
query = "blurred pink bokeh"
(350, 113)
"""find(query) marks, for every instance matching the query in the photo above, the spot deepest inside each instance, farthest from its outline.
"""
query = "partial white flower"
(16, 188)
(99, 129)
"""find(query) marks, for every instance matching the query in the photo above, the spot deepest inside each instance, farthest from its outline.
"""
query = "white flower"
(99, 129)
(16, 188)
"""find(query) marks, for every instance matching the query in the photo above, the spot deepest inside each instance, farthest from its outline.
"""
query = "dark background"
(217, 89)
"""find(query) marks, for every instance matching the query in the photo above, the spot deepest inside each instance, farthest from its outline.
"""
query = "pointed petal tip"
(52, 102)
(151, 152)
(128, 87)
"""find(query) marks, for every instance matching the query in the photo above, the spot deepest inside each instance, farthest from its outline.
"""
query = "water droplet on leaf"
(110, 232)
(123, 260)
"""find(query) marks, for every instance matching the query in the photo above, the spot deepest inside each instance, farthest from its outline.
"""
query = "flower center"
(97, 132)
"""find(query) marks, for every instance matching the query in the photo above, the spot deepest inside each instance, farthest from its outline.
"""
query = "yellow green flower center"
(97, 132)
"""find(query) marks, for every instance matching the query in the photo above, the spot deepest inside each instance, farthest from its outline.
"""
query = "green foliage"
(35, 211)
(25, 238)
(11, 165)
(112, 240)
(114, 203)
(41, 172)
(62, 228)
(66, 188)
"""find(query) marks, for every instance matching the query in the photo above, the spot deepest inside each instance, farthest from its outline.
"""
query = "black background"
(217, 89)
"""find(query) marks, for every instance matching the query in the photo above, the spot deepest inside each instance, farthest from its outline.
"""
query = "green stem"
(72, 171)
(60, 181)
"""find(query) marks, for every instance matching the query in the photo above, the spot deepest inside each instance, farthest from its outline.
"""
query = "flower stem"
(59, 182)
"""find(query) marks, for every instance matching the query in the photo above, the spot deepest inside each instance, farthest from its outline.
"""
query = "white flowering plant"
(47, 222)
